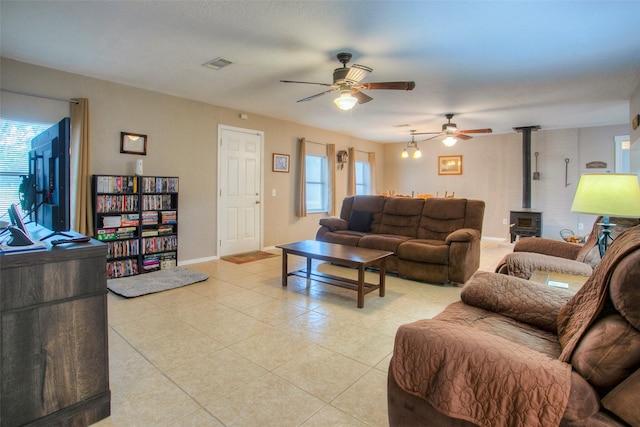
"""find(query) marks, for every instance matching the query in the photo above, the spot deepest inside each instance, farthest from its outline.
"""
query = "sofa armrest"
(519, 299)
(474, 375)
(463, 235)
(523, 264)
(334, 223)
(545, 246)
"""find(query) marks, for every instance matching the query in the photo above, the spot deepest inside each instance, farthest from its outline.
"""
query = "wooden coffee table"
(348, 256)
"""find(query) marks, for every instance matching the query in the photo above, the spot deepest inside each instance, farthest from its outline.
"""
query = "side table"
(573, 281)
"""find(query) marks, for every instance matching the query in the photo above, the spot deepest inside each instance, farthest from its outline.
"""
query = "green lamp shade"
(608, 194)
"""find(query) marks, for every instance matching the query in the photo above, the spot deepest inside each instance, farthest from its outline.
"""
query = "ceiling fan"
(451, 131)
(346, 80)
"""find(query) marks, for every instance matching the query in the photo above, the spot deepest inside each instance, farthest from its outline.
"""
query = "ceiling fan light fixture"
(449, 141)
(404, 154)
(345, 101)
(417, 154)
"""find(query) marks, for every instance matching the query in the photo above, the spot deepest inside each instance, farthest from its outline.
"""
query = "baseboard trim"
(197, 260)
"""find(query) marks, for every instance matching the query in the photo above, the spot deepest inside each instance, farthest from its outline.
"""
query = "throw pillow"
(360, 221)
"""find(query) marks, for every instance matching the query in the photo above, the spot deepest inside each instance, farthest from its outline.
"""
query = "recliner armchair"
(515, 352)
(539, 253)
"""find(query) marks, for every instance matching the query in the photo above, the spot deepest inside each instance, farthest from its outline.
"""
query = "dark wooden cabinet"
(54, 340)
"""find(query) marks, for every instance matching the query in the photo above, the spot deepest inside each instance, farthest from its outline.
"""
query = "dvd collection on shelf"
(156, 202)
(156, 184)
(116, 184)
(137, 218)
(117, 203)
(122, 268)
(122, 248)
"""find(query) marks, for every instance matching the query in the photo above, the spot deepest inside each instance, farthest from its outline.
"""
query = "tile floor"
(241, 350)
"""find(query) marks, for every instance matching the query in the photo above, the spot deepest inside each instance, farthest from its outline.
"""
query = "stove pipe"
(526, 163)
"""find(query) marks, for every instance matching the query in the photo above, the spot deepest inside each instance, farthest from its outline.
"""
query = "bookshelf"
(159, 229)
(137, 217)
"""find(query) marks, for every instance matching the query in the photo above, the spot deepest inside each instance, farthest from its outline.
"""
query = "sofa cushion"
(382, 242)
(623, 400)
(421, 250)
(608, 353)
(401, 216)
(493, 323)
(440, 217)
(360, 221)
(624, 289)
(367, 203)
(346, 237)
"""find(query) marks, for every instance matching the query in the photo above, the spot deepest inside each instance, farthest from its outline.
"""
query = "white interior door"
(240, 190)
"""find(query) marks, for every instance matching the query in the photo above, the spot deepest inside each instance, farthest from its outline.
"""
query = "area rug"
(157, 281)
(248, 257)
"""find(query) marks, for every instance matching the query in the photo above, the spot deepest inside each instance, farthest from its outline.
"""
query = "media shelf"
(137, 217)
(159, 245)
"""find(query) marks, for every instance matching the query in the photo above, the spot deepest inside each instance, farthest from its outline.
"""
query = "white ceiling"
(498, 64)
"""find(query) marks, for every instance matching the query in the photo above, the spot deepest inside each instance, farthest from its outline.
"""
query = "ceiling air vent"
(218, 63)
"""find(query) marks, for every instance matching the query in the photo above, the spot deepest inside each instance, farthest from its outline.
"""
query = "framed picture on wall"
(280, 162)
(133, 143)
(450, 165)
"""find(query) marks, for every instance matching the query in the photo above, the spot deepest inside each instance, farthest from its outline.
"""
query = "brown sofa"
(435, 240)
(517, 353)
(535, 253)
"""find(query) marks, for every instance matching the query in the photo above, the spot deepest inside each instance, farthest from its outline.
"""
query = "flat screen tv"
(50, 169)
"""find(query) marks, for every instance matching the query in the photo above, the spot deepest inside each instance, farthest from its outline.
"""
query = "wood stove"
(525, 223)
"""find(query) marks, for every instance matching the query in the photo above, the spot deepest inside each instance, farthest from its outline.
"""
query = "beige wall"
(492, 171)
(182, 137)
(182, 142)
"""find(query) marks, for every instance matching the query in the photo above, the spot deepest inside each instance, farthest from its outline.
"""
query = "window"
(363, 178)
(15, 144)
(316, 183)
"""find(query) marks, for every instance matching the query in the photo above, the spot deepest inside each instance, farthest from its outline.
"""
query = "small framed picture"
(133, 143)
(280, 162)
(449, 165)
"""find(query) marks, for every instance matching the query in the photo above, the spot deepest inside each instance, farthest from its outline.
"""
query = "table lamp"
(607, 194)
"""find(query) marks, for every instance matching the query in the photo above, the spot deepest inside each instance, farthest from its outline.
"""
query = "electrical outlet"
(504, 221)
(273, 192)
(580, 226)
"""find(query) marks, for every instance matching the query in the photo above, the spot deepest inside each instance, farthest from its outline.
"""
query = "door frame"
(222, 127)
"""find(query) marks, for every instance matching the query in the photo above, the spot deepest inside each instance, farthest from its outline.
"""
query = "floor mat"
(157, 281)
(248, 257)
